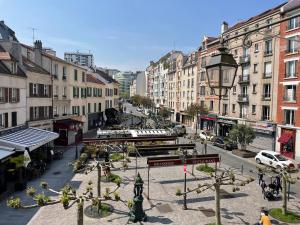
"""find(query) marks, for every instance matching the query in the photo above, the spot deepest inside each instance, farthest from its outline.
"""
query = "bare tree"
(220, 178)
(194, 110)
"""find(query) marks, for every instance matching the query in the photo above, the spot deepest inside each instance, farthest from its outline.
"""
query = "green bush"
(290, 217)
(116, 157)
(14, 203)
(205, 168)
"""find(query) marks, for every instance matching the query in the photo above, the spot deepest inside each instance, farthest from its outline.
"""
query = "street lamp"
(221, 72)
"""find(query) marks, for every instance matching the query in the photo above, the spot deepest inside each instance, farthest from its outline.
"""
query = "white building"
(83, 59)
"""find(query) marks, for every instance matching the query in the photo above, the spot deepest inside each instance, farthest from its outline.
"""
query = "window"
(64, 91)
(293, 23)
(65, 112)
(289, 117)
(202, 90)
(291, 69)
(83, 76)
(225, 109)
(75, 75)
(267, 91)
(265, 112)
(64, 72)
(56, 69)
(35, 112)
(233, 108)
(83, 110)
(14, 94)
(292, 45)
(211, 105)
(255, 68)
(192, 83)
(34, 89)
(202, 103)
(2, 95)
(267, 69)
(202, 76)
(99, 107)
(14, 119)
(256, 47)
(254, 88)
(89, 107)
(55, 111)
(253, 109)
(290, 93)
(235, 52)
(268, 47)
(234, 90)
(95, 107)
(46, 112)
(269, 21)
(13, 67)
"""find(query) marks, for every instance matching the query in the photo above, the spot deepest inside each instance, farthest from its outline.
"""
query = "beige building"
(133, 88)
(252, 100)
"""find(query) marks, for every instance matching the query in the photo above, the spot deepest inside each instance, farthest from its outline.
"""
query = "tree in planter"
(241, 134)
(196, 109)
(136, 100)
(285, 177)
(19, 169)
(218, 179)
(67, 196)
(164, 113)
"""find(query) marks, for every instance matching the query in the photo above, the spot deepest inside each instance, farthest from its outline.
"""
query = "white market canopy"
(28, 139)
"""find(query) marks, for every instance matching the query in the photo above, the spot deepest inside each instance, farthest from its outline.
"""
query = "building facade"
(124, 79)
(82, 59)
(288, 131)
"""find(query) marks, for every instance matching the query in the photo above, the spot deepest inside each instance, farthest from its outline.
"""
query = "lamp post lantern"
(221, 72)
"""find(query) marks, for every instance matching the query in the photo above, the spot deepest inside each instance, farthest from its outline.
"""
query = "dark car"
(222, 143)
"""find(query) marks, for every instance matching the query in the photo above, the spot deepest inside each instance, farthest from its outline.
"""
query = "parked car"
(179, 130)
(139, 109)
(275, 160)
(222, 143)
(206, 135)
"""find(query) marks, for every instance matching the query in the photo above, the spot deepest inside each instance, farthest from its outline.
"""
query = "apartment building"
(149, 79)
(82, 59)
(251, 101)
(12, 91)
(288, 131)
(188, 86)
(95, 101)
(205, 97)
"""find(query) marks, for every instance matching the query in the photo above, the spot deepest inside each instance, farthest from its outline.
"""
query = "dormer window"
(13, 68)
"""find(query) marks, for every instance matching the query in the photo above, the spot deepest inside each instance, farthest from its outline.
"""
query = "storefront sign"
(226, 121)
(262, 127)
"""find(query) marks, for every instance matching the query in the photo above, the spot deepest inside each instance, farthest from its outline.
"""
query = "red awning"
(284, 138)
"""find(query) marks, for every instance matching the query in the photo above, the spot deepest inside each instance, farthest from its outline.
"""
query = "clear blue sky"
(125, 34)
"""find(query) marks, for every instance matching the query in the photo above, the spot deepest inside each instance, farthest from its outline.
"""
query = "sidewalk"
(58, 175)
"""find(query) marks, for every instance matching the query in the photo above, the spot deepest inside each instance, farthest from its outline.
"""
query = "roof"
(31, 66)
(257, 17)
(28, 139)
(5, 152)
(92, 79)
(6, 33)
(292, 4)
(106, 76)
(53, 57)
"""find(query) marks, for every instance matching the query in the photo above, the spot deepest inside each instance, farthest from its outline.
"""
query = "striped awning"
(28, 139)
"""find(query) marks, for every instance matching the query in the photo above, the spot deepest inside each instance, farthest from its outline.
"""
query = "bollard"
(242, 169)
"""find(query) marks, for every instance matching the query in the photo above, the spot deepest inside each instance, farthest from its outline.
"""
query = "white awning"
(29, 138)
(5, 153)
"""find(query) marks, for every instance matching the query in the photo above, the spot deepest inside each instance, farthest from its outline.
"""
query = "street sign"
(176, 160)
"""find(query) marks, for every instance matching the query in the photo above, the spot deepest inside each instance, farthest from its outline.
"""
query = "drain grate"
(164, 208)
(207, 212)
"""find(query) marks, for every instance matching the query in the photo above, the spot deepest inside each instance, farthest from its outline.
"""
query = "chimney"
(224, 27)
(38, 47)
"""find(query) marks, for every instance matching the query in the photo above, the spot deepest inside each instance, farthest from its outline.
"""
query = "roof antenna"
(33, 30)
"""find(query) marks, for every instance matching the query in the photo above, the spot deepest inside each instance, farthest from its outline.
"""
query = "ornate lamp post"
(221, 72)
(137, 213)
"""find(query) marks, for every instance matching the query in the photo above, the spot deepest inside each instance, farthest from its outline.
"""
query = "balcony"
(244, 79)
(267, 75)
(266, 97)
(268, 52)
(243, 98)
(291, 99)
(244, 59)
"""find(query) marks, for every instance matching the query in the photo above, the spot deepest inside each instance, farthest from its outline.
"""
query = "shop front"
(186, 119)
(208, 122)
(265, 135)
(5, 154)
(95, 120)
(69, 131)
(287, 141)
(224, 125)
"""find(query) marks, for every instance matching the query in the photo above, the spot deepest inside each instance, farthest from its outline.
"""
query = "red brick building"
(288, 117)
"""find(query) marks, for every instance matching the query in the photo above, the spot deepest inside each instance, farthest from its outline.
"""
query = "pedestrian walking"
(260, 176)
(277, 184)
(264, 219)
(263, 188)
